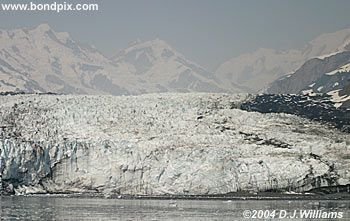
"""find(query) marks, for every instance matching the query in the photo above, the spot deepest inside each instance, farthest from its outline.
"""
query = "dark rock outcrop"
(318, 108)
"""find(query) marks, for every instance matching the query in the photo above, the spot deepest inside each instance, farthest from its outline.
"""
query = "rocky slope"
(336, 84)
(319, 107)
(309, 73)
(161, 144)
(255, 71)
(328, 77)
(331, 81)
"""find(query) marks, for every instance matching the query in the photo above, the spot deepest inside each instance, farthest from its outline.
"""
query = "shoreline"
(233, 197)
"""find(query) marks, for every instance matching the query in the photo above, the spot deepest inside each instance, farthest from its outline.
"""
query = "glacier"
(163, 144)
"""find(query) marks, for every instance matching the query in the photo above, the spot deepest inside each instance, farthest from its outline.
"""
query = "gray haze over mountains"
(258, 69)
(42, 60)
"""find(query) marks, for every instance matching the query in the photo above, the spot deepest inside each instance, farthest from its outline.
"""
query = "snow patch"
(345, 68)
(319, 89)
(337, 99)
(309, 92)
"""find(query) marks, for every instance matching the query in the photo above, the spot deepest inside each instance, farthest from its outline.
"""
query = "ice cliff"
(161, 144)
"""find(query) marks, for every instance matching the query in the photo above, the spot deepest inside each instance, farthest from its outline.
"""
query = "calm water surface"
(62, 208)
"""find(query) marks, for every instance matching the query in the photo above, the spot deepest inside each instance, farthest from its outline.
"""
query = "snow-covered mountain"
(256, 70)
(161, 68)
(42, 60)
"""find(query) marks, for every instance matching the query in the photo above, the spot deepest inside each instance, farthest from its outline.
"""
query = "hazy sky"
(208, 32)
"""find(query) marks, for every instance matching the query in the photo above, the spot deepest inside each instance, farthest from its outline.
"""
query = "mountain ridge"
(258, 69)
(42, 60)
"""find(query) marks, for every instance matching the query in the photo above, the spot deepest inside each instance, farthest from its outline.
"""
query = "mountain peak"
(51, 63)
(158, 41)
(154, 44)
(154, 49)
(43, 28)
(133, 43)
